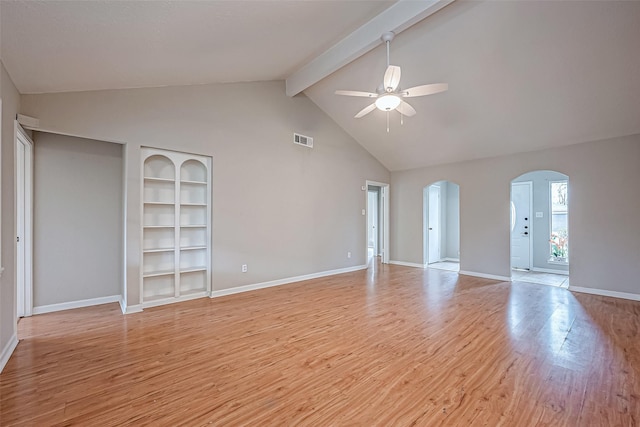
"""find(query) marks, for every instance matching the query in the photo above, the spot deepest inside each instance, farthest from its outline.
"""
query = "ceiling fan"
(389, 96)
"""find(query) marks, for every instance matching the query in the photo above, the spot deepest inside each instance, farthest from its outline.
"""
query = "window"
(559, 239)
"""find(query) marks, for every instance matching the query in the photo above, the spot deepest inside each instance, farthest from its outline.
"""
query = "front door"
(521, 225)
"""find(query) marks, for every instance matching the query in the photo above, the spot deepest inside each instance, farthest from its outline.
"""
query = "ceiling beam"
(396, 18)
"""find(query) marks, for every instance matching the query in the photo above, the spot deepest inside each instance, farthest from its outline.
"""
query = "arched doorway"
(539, 212)
(441, 225)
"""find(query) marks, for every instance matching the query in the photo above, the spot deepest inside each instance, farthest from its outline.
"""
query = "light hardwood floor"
(388, 346)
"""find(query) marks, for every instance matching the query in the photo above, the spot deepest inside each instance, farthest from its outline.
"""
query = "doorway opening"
(377, 220)
(441, 226)
(539, 212)
(24, 222)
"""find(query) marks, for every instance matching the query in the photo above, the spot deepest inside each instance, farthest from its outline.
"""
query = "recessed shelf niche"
(176, 226)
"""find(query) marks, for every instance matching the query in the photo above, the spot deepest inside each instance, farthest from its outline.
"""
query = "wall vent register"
(307, 141)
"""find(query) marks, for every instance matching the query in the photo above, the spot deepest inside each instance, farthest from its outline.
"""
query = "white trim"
(132, 309)
(7, 351)
(75, 304)
(485, 276)
(28, 122)
(24, 222)
(605, 293)
(451, 259)
(256, 286)
(408, 264)
(129, 309)
(551, 271)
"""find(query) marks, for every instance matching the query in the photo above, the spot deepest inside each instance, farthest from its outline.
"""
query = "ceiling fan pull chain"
(401, 118)
(387, 122)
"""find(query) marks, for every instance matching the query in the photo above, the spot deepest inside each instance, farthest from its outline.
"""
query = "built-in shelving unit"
(176, 226)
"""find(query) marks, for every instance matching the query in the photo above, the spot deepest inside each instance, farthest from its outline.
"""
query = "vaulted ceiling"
(522, 75)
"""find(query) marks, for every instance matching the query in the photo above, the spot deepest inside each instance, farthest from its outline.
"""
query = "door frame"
(371, 209)
(439, 215)
(530, 185)
(23, 202)
(384, 221)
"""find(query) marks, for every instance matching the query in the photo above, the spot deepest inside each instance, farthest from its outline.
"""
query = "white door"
(521, 225)
(24, 200)
(373, 222)
(434, 224)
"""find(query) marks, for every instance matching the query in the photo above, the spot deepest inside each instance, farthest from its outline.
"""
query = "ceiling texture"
(522, 75)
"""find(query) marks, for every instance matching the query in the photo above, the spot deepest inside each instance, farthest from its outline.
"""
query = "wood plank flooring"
(388, 346)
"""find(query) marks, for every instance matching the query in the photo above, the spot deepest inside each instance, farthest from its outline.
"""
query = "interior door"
(434, 224)
(372, 227)
(521, 225)
(24, 203)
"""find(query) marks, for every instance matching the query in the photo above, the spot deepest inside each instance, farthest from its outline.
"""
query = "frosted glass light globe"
(387, 102)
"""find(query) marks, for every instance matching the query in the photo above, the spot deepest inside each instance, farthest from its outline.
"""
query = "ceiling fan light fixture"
(387, 102)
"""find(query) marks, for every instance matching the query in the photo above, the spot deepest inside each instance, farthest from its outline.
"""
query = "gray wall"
(541, 226)
(10, 106)
(78, 233)
(282, 209)
(602, 174)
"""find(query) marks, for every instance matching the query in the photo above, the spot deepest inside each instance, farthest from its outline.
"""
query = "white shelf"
(155, 179)
(193, 269)
(176, 232)
(157, 298)
(159, 273)
(150, 251)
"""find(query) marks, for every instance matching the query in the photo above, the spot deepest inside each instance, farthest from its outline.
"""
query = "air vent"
(307, 141)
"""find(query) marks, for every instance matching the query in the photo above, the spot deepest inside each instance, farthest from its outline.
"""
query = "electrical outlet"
(244, 268)
(348, 254)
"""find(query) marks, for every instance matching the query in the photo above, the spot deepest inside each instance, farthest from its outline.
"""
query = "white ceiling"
(522, 75)
(58, 46)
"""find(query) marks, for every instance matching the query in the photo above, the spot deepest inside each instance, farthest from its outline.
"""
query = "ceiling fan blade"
(366, 110)
(425, 90)
(406, 109)
(391, 78)
(356, 93)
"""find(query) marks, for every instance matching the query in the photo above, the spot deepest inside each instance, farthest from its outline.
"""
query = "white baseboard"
(451, 259)
(408, 264)
(165, 301)
(75, 304)
(550, 270)
(485, 276)
(256, 286)
(605, 293)
(7, 351)
(129, 309)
